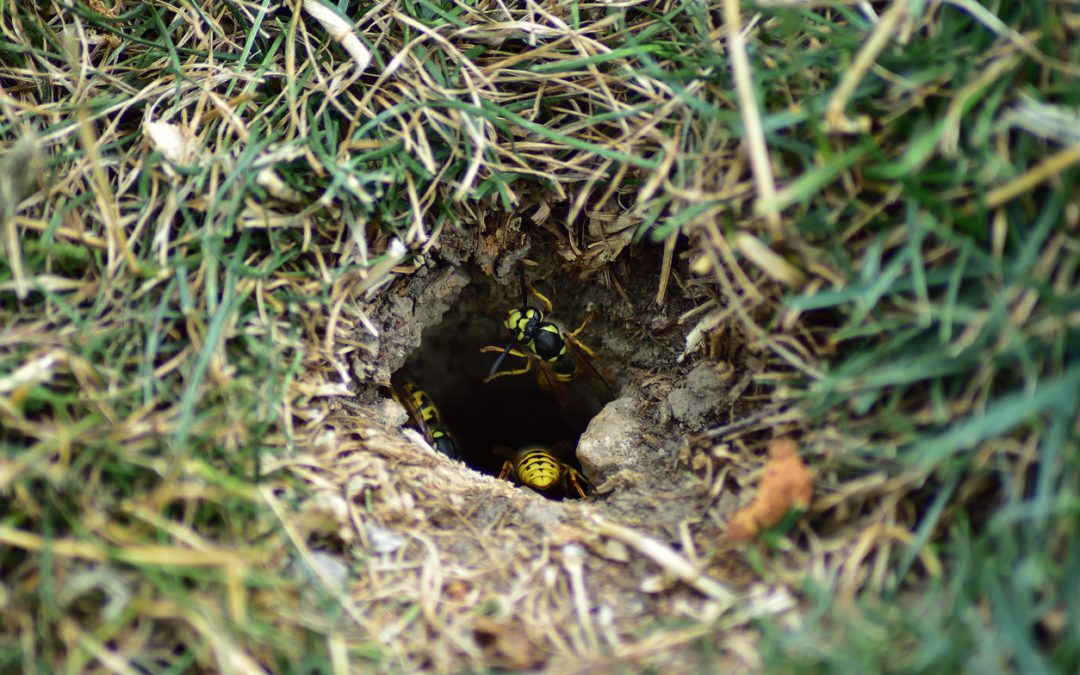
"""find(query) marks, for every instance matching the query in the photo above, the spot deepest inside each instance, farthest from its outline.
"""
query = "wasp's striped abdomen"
(444, 442)
(422, 403)
(538, 468)
(425, 416)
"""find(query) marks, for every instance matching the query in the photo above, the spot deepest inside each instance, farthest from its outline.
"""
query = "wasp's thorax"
(543, 338)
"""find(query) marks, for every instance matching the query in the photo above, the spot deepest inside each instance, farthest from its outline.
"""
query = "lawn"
(228, 227)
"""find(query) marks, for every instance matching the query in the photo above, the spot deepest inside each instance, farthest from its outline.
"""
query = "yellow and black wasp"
(541, 469)
(425, 417)
(559, 355)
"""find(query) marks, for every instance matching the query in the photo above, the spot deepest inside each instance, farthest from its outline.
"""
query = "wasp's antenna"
(498, 361)
(524, 295)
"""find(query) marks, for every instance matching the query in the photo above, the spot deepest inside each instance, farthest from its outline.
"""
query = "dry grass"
(206, 205)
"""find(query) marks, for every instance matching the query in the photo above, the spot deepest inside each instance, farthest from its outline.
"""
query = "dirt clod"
(391, 412)
(543, 513)
(699, 396)
(612, 441)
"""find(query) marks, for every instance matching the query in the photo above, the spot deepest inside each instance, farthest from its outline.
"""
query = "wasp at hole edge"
(561, 357)
(426, 418)
(541, 469)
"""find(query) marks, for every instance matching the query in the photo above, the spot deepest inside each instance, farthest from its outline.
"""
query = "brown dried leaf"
(505, 644)
(787, 483)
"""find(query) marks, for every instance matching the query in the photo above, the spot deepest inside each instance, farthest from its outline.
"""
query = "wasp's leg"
(505, 373)
(507, 469)
(541, 297)
(582, 346)
(577, 331)
(572, 476)
(511, 352)
(587, 358)
(572, 337)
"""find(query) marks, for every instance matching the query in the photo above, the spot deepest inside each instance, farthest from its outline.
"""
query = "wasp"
(541, 469)
(425, 416)
(559, 355)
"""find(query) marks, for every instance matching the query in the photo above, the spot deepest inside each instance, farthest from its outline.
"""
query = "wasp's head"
(524, 324)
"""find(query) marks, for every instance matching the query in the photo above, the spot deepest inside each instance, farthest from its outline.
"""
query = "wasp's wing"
(549, 381)
(563, 449)
(581, 354)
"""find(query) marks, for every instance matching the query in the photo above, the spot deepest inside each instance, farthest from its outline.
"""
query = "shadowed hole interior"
(508, 412)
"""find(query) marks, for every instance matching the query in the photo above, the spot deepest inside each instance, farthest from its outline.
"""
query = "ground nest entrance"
(490, 418)
(507, 549)
(641, 416)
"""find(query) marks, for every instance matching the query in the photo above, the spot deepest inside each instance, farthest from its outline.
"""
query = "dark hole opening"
(510, 412)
